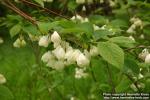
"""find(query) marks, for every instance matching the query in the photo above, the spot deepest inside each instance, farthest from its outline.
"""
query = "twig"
(45, 9)
(140, 46)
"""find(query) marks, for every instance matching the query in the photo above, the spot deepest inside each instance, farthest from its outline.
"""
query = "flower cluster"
(136, 22)
(64, 54)
(145, 56)
(20, 42)
(79, 73)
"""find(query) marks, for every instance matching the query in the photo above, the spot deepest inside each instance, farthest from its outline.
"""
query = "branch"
(45, 9)
(11, 6)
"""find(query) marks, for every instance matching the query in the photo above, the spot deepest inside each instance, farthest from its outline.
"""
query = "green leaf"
(112, 53)
(15, 30)
(98, 34)
(40, 2)
(31, 29)
(130, 65)
(123, 41)
(119, 23)
(5, 93)
(97, 19)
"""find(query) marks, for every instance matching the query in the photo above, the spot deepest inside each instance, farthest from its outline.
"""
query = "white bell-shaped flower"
(2, 79)
(147, 58)
(51, 63)
(59, 65)
(1, 40)
(20, 42)
(132, 38)
(82, 60)
(48, 56)
(143, 54)
(96, 27)
(94, 51)
(79, 73)
(44, 41)
(55, 38)
(59, 52)
(80, 1)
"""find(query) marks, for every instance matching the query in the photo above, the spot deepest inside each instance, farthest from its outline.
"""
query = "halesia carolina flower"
(82, 60)
(2, 79)
(1, 40)
(143, 54)
(44, 41)
(80, 1)
(55, 38)
(147, 58)
(94, 51)
(59, 52)
(59, 65)
(19, 43)
(47, 56)
(79, 73)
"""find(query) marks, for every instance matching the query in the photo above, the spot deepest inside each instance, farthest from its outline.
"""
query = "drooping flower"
(147, 58)
(82, 60)
(59, 65)
(48, 56)
(59, 52)
(80, 1)
(44, 41)
(94, 51)
(79, 73)
(1, 40)
(2, 79)
(20, 42)
(143, 54)
(55, 38)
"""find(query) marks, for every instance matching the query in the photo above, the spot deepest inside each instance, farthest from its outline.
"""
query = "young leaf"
(123, 41)
(15, 30)
(112, 53)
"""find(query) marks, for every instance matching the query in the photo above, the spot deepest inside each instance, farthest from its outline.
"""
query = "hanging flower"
(59, 52)
(2, 79)
(55, 38)
(44, 41)
(80, 1)
(94, 51)
(47, 56)
(20, 42)
(82, 60)
(143, 54)
(147, 58)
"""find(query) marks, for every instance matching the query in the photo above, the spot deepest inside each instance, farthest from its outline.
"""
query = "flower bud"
(132, 38)
(147, 58)
(96, 27)
(59, 53)
(44, 41)
(2, 79)
(82, 60)
(55, 38)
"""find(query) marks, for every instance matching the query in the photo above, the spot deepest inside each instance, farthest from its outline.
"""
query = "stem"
(110, 79)
(134, 82)
(92, 73)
